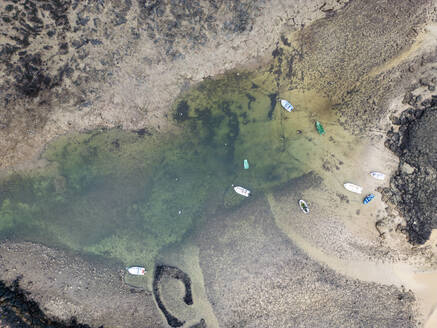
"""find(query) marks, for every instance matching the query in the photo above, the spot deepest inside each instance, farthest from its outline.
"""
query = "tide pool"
(126, 195)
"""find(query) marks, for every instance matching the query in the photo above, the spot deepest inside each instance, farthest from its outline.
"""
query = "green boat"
(320, 128)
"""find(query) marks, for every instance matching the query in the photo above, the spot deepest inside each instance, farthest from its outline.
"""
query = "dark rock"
(18, 310)
(63, 48)
(413, 188)
(408, 98)
(77, 44)
(95, 42)
(426, 103)
(175, 273)
(82, 20)
(425, 81)
(285, 41)
(395, 120)
(201, 324)
(182, 111)
(143, 132)
(119, 20)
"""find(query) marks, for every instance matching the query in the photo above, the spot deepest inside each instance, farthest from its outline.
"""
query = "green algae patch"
(127, 195)
(113, 193)
(240, 116)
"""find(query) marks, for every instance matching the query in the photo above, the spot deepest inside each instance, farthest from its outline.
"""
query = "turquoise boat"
(246, 164)
(320, 128)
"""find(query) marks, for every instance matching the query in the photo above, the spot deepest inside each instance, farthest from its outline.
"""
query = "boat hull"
(378, 175)
(320, 128)
(354, 188)
(303, 206)
(242, 191)
(136, 271)
(368, 198)
(287, 106)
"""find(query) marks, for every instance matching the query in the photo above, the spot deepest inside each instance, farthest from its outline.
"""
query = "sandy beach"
(260, 262)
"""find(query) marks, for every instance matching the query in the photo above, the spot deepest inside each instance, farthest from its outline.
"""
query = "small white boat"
(136, 271)
(378, 175)
(242, 191)
(354, 188)
(303, 206)
(288, 107)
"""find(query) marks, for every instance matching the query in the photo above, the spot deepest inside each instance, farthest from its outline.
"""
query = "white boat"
(136, 271)
(303, 206)
(242, 191)
(354, 188)
(288, 107)
(378, 175)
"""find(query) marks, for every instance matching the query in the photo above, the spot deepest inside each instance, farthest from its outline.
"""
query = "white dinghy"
(354, 188)
(288, 107)
(242, 191)
(377, 175)
(136, 271)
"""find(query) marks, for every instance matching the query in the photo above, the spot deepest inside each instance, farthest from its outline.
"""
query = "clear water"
(124, 196)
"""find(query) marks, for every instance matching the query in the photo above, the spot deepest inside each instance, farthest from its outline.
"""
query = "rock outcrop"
(413, 188)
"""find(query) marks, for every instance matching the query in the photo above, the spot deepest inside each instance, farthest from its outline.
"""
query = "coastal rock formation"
(64, 286)
(74, 65)
(413, 188)
(174, 273)
(19, 311)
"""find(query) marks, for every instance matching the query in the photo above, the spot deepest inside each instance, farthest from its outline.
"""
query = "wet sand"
(256, 277)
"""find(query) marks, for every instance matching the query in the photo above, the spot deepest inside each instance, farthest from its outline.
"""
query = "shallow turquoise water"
(125, 195)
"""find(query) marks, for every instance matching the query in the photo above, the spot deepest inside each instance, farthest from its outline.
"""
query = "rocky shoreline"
(78, 65)
(19, 311)
(413, 189)
(67, 287)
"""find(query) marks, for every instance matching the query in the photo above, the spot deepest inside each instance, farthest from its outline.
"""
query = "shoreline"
(138, 90)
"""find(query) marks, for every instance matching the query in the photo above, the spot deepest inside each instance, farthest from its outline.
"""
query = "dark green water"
(125, 195)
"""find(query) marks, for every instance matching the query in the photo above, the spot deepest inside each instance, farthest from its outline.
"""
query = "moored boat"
(242, 191)
(303, 206)
(136, 271)
(368, 198)
(246, 164)
(354, 188)
(377, 175)
(288, 107)
(320, 128)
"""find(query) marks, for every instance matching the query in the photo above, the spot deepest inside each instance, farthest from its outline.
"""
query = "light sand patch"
(186, 258)
(256, 277)
(423, 284)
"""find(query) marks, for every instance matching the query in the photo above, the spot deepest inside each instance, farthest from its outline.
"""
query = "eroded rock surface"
(73, 65)
(413, 188)
(65, 286)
